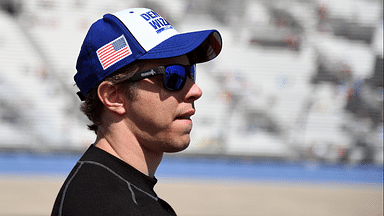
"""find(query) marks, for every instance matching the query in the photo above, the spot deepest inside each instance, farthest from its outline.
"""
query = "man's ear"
(111, 97)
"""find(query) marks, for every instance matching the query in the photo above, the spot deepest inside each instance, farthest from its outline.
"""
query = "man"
(136, 74)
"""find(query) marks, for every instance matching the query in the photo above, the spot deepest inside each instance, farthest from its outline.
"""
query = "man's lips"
(186, 115)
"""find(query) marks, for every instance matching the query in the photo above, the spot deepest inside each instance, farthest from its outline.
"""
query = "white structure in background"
(34, 106)
(258, 100)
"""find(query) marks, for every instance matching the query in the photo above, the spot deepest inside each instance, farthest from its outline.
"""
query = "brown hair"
(92, 106)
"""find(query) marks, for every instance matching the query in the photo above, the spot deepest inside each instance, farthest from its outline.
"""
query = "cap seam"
(121, 23)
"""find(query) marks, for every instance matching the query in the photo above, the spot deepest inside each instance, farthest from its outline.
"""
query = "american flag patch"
(113, 52)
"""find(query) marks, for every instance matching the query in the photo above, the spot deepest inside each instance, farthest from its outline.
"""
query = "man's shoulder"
(92, 179)
(88, 187)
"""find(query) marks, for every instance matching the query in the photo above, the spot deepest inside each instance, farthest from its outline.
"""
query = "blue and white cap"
(121, 38)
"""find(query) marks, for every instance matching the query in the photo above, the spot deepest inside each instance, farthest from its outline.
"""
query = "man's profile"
(136, 76)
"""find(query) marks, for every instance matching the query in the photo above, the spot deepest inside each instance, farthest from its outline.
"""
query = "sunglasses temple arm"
(148, 73)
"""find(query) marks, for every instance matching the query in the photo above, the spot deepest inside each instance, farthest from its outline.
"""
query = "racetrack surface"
(34, 196)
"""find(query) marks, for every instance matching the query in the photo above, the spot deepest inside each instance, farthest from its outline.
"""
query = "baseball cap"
(123, 37)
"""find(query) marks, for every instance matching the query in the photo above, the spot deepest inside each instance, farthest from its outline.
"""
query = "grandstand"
(302, 91)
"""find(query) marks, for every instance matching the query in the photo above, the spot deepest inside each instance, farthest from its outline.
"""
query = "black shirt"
(101, 184)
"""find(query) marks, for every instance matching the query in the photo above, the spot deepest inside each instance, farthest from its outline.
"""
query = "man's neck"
(129, 151)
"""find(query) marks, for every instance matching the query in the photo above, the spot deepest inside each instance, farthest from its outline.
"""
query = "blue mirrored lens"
(193, 72)
(175, 77)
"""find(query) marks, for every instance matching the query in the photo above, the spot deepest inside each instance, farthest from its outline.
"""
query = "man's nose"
(194, 92)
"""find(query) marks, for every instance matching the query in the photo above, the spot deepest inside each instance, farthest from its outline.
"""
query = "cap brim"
(209, 43)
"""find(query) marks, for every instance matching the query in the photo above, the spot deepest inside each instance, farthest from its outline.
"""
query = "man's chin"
(177, 148)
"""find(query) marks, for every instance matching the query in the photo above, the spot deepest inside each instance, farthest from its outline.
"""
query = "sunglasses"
(174, 76)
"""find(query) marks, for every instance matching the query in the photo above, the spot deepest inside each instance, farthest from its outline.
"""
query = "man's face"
(159, 118)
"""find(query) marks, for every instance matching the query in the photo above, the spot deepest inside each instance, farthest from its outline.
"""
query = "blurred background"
(296, 96)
